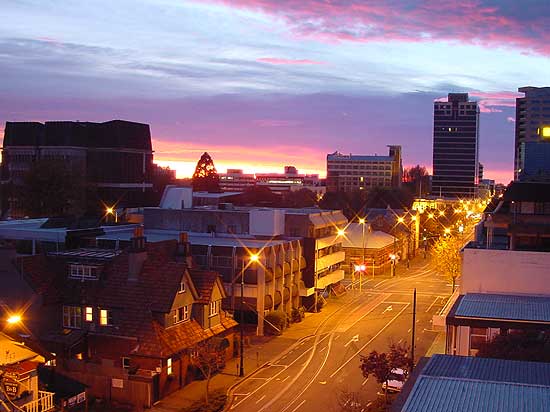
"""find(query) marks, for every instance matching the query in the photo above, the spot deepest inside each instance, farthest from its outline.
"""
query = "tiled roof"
(436, 394)
(136, 304)
(486, 369)
(508, 307)
(204, 281)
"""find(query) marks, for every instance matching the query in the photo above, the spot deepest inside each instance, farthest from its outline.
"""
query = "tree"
(447, 257)
(52, 188)
(205, 178)
(523, 345)
(208, 357)
(418, 179)
(258, 196)
(299, 198)
(381, 365)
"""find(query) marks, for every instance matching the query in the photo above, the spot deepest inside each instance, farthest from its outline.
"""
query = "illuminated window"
(89, 315)
(545, 131)
(105, 317)
(72, 317)
(169, 366)
(182, 287)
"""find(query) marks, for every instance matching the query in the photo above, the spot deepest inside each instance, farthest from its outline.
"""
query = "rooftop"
(374, 239)
(461, 383)
(503, 307)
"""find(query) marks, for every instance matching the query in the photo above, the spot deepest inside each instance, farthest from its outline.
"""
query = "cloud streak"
(488, 23)
(278, 60)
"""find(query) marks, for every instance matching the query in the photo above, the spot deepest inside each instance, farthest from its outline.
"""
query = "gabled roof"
(205, 281)
(136, 303)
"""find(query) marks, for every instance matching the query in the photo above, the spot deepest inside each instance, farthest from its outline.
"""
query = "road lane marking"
(354, 339)
(296, 408)
(323, 349)
(285, 378)
(433, 303)
(366, 344)
(364, 382)
(323, 382)
(261, 399)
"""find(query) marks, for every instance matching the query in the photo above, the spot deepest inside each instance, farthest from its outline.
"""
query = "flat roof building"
(349, 173)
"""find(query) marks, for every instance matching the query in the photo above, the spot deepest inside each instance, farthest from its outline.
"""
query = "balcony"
(331, 278)
(42, 404)
(329, 260)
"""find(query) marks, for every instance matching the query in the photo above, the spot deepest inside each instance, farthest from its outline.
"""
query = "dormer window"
(214, 308)
(182, 287)
(83, 272)
(181, 314)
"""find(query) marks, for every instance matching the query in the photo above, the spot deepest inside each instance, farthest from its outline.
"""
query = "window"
(214, 308)
(181, 314)
(169, 366)
(126, 363)
(478, 336)
(72, 317)
(89, 314)
(83, 272)
(182, 287)
(105, 317)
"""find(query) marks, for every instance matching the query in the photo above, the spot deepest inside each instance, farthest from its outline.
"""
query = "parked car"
(395, 383)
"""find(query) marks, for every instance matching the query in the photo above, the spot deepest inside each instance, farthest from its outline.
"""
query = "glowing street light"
(13, 319)
(441, 213)
(113, 212)
(431, 215)
(254, 258)
(362, 220)
(341, 232)
(400, 219)
(447, 230)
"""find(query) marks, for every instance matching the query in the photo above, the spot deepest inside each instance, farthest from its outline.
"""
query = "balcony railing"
(42, 404)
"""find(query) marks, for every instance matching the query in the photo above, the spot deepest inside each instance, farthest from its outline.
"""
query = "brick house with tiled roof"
(125, 322)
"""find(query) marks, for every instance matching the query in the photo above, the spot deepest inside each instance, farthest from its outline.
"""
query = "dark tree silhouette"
(521, 345)
(417, 179)
(258, 196)
(51, 188)
(205, 178)
(299, 198)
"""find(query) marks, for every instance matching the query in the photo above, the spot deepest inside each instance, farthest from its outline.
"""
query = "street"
(311, 375)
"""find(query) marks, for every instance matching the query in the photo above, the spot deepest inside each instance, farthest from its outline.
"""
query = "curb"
(232, 388)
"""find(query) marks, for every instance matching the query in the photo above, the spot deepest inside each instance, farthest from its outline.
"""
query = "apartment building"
(349, 173)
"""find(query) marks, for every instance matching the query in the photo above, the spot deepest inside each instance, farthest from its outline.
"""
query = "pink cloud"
(275, 123)
(506, 24)
(490, 102)
(278, 60)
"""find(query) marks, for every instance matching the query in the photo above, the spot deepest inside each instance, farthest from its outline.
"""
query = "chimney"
(136, 254)
(183, 252)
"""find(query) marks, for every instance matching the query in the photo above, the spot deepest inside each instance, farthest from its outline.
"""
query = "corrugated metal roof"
(435, 394)
(512, 307)
(485, 369)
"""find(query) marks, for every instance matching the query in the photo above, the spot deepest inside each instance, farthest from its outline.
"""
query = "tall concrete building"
(532, 144)
(114, 157)
(349, 173)
(455, 147)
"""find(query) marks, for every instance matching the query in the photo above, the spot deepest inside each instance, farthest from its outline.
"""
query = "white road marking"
(388, 309)
(296, 408)
(364, 382)
(323, 382)
(285, 378)
(354, 339)
(366, 344)
(323, 349)
(261, 399)
(433, 303)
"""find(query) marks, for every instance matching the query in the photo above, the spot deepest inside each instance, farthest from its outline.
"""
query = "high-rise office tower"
(532, 154)
(456, 147)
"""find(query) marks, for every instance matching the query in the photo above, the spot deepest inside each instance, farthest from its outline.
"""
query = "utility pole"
(413, 329)
(241, 371)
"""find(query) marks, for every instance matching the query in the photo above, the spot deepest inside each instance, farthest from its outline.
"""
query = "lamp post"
(112, 211)
(253, 258)
(363, 223)
(392, 262)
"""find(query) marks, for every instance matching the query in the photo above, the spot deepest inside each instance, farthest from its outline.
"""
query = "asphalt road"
(313, 375)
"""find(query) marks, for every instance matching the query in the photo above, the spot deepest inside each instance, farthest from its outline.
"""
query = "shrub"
(275, 322)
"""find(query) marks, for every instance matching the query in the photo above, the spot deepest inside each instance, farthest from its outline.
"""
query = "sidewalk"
(261, 349)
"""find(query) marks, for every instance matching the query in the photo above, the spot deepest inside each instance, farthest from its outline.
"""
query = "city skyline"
(262, 84)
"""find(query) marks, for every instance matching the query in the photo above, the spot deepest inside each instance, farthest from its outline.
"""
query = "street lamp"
(341, 232)
(447, 231)
(252, 259)
(363, 223)
(112, 211)
(13, 319)
(393, 257)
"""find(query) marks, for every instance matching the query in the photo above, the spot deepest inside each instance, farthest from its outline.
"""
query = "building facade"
(114, 157)
(290, 180)
(532, 143)
(455, 147)
(236, 181)
(349, 173)
(127, 323)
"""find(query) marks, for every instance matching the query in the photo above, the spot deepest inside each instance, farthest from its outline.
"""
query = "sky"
(260, 84)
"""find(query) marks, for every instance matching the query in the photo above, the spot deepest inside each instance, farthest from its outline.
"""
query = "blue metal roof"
(485, 369)
(439, 394)
(509, 307)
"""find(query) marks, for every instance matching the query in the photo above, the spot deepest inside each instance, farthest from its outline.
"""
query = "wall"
(267, 222)
(505, 271)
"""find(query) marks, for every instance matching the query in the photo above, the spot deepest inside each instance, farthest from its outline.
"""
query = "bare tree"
(208, 357)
